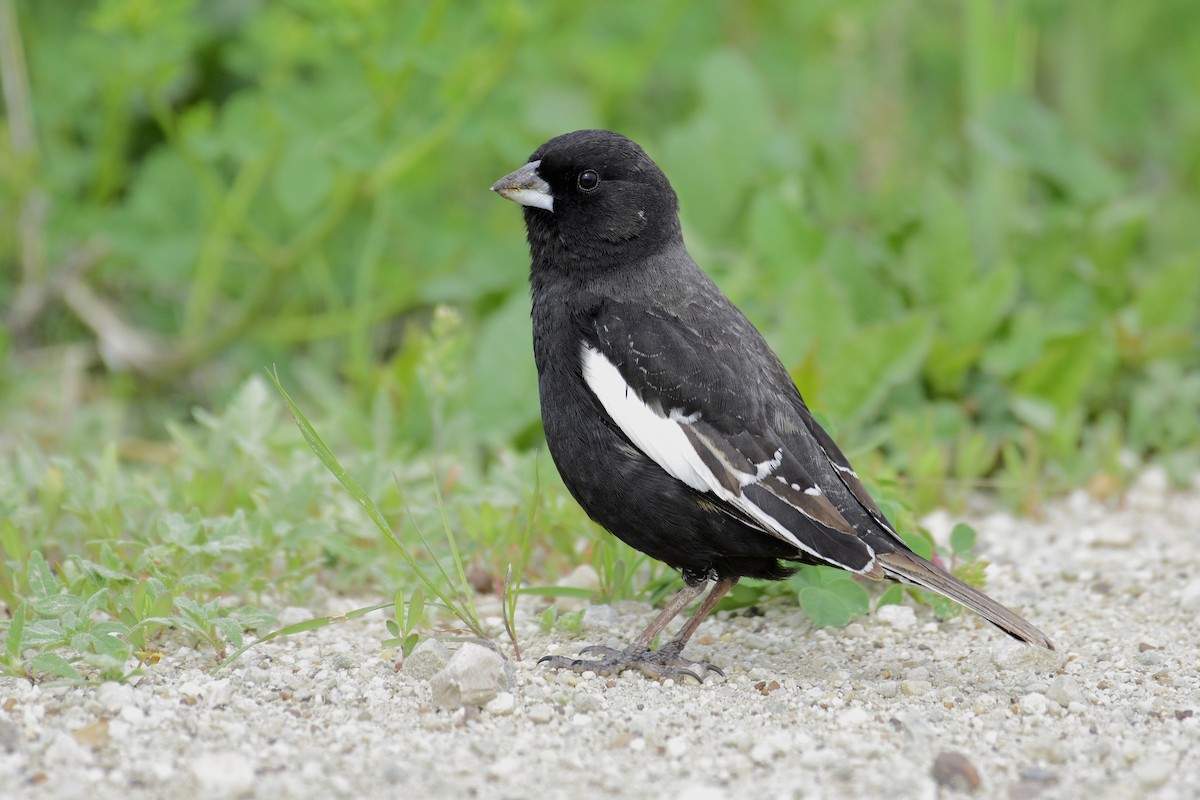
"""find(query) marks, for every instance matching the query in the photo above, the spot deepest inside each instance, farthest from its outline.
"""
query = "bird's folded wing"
(846, 473)
(683, 402)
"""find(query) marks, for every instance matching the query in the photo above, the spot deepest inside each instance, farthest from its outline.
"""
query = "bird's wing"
(846, 474)
(687, 401)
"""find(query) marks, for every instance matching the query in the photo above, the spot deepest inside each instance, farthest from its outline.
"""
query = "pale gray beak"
(526, 187)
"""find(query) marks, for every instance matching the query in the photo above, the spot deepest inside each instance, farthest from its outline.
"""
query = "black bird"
(669, 417)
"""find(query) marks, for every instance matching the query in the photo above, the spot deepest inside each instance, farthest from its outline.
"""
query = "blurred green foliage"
(969, 228)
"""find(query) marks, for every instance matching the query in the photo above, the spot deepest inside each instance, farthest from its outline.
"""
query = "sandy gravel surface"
(894, 705)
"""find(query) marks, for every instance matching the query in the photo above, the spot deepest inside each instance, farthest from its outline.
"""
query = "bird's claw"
(657, 664)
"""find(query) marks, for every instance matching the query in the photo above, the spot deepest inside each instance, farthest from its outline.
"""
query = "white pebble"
(701, 792)
(1065, 691)
(218, 693)
(501, 705)
(223, 774)
(504, 767)
(915, 688)
(1154, 771)
(471, 678)
(541, 713)
(1189, 596)
(599, 618)
(677, 747)
(114, 697)
(66, 750)
(1034, 703)
(898, 617)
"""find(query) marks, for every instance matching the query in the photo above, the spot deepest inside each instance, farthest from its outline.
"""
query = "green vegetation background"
(969, 228)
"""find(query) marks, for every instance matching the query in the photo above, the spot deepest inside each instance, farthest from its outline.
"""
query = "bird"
(670, 419)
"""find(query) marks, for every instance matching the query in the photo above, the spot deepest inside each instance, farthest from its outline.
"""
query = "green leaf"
(824, 607)
(52, 665)
(869, 363)
(231, 629)
(559, 591)
(303, 179)
(851, 592)
(742, 595)
(415, 613)
(10, 540)
(110, 646)
(16, 630)
(962, 540)
(734, 117)
(919, 542)
(245, 128)
(892, 596)
(40, 578)
(967, 320)
(502, 399)
(1061, 374)
(54, 605)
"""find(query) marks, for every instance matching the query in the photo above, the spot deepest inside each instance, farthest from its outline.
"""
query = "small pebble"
(1189, 595)
(222, 774)
(472, 677)
(540, 713)
(898, 617)
(504, 767)
(915, 688)
(1153, 771)
(501, 705)
(955, 771)
(600, 618)
(1034, 703)
(426, 660)
(1064, 691)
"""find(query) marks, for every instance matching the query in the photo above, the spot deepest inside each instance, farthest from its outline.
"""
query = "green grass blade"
(327, 458)
(301, 627)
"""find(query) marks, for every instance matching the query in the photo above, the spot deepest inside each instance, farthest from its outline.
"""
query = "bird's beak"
(526, 187)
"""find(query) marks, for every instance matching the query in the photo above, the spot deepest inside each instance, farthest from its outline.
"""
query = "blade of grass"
(509, 596)
(301, 627)
(465, 612)
(356, 491)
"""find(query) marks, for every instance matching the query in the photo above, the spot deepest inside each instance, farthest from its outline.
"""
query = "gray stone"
(601, 617)
(426, 660)
(472, 677)
(1064, 691)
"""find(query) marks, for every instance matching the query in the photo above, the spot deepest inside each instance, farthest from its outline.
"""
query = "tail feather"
(912, 568)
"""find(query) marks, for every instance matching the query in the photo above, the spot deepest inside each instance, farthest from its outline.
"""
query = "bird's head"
(594, 201)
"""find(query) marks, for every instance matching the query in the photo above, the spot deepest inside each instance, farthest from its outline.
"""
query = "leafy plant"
(969, 235)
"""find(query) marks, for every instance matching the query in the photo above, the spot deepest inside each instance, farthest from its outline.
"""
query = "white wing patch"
(663, 440)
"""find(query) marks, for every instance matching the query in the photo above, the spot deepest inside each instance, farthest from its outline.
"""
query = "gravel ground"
(895, 704)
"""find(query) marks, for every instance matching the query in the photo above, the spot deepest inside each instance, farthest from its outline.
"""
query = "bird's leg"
(666, 662)
(674, 647)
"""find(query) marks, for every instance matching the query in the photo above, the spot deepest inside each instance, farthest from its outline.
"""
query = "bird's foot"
(658, 664)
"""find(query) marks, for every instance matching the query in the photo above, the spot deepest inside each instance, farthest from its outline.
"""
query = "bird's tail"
(911, 568)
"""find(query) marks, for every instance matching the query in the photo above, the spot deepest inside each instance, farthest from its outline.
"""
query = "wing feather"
(750, 471)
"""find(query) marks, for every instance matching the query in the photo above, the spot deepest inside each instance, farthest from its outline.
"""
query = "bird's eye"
(589, 179)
